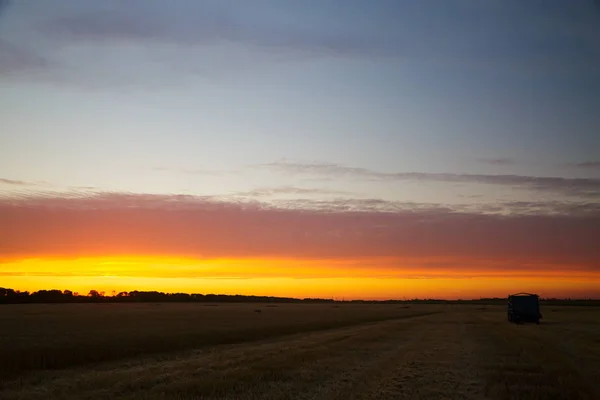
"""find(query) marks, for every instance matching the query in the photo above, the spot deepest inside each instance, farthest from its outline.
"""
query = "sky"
(330, 148)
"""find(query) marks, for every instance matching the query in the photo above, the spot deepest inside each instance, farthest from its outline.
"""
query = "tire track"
(530, 361)
(438, 362)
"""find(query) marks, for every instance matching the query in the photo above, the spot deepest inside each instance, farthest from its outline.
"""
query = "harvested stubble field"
(286, 351)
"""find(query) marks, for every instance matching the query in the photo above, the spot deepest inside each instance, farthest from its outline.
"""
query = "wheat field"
(303, 351)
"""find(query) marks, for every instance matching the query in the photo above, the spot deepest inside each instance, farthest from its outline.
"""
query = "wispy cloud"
(574, 186)
(3, 5)
(174, 36)
(290, 190)
(506, 208)
(17, 182)
(301, 199)
(205, 24)
(84, 188)
(587, 165)
(497, 161)
(208, 23)
(15, 59)
(194, 171)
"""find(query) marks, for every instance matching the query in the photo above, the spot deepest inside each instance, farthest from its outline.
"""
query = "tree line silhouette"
(11, 296)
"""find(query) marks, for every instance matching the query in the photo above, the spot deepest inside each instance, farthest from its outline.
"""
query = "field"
(295, 351)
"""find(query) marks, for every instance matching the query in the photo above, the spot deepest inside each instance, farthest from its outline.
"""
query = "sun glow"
(374, 278)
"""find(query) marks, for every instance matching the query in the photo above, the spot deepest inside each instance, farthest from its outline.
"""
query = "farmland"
(289, 351)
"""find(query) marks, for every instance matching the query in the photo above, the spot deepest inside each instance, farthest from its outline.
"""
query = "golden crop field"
(296, 351)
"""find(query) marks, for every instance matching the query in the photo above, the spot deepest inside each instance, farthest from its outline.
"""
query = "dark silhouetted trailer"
(524, 307)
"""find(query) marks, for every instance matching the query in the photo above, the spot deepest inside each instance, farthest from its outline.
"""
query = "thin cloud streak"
(295, 199)
(381, 268)
(291, 190)
(212, 24)
(195, 171)
(16, 182)
(508, 208)
(497, 161)
(587, 165)
(17, 60)
(139, 26)
(585, 187)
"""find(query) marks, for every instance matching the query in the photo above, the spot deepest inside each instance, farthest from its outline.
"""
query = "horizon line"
(101, 295)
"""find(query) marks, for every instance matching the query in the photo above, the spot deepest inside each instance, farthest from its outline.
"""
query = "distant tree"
(12, 296)
(95, 295)
(7, 295)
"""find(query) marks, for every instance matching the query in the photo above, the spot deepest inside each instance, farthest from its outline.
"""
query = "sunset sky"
(322, 148)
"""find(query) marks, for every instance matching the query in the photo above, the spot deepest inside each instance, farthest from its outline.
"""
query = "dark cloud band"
(129, 224)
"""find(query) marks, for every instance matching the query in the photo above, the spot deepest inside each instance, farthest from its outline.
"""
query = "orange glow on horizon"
(374, 278)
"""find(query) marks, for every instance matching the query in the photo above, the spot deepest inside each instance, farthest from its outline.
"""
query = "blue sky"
(406, 102)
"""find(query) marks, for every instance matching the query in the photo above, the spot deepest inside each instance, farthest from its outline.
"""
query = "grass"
(300, 352)
(53, 336)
